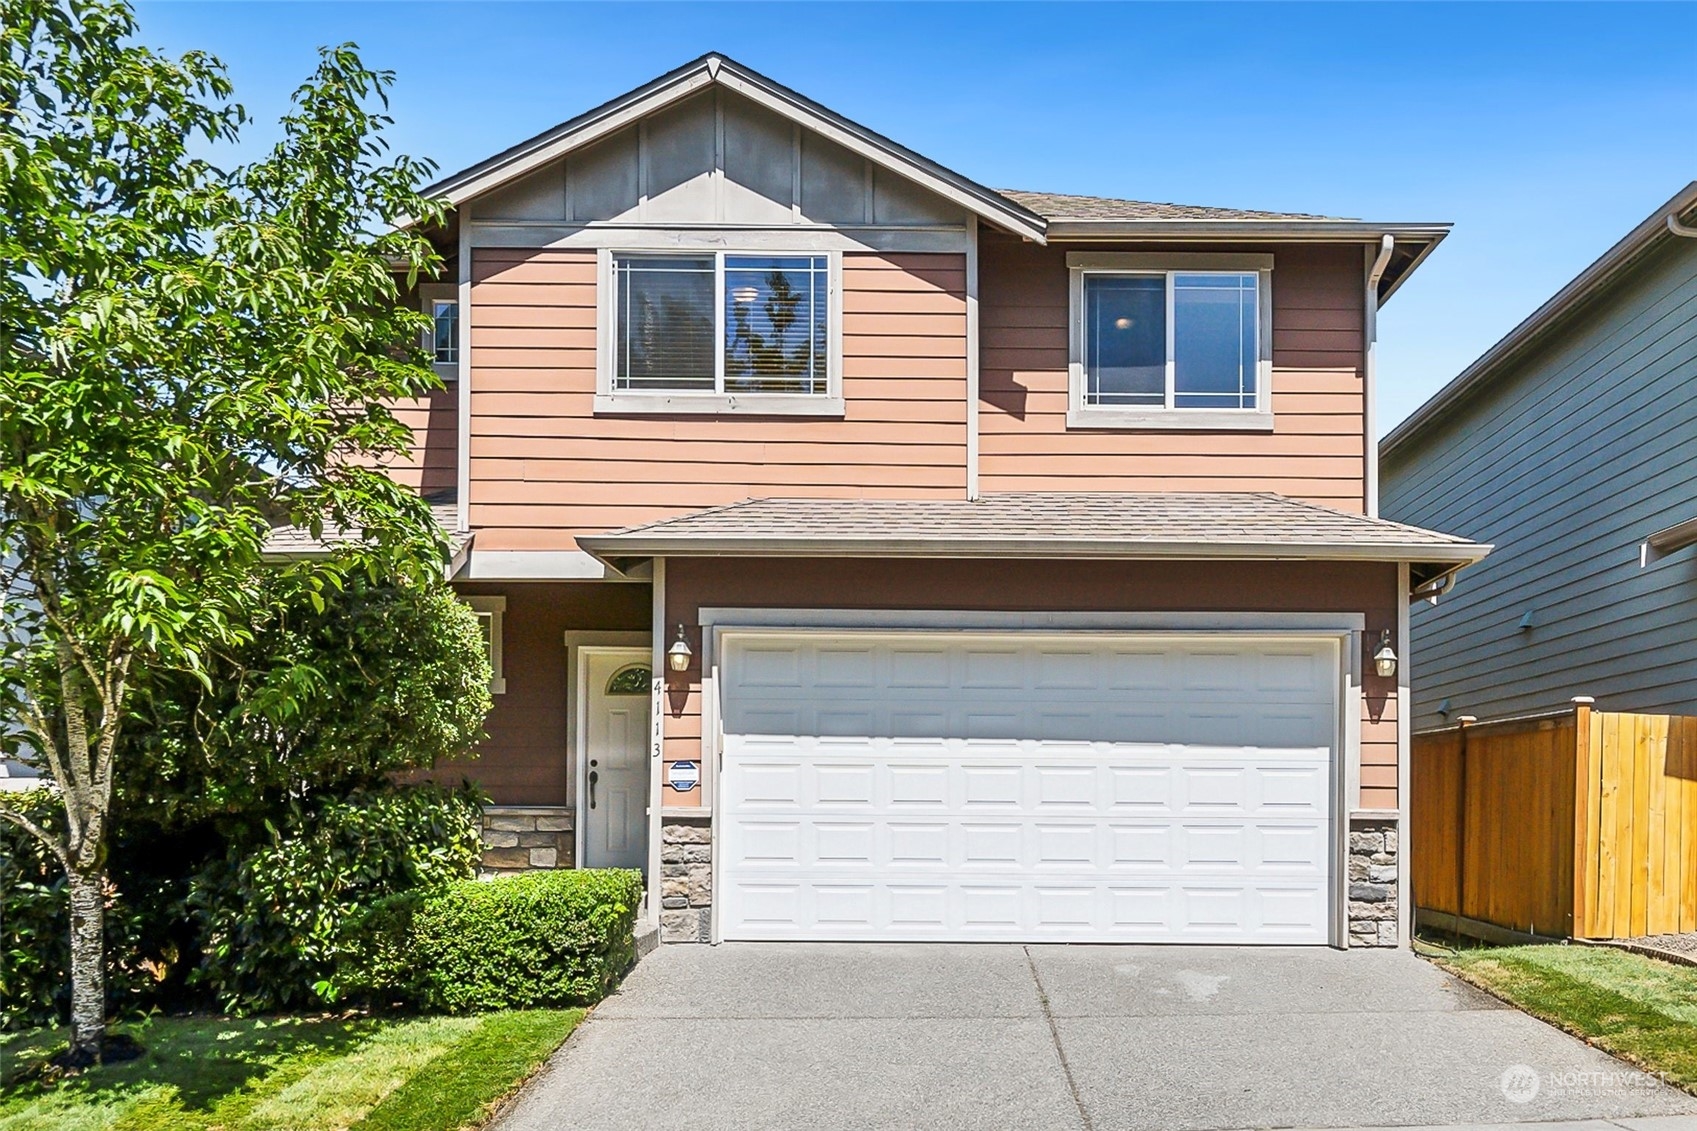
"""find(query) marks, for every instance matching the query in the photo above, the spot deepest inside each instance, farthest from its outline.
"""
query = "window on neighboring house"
(1183, 345)
(490, 613)
(442, 341)
(722, 326)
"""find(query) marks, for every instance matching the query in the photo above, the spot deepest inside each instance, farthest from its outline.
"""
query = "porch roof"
(1175, 525)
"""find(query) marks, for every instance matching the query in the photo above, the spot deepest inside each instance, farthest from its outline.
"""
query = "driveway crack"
(1055, 1039)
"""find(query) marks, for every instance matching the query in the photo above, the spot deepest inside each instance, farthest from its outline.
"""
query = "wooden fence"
(1579, 824)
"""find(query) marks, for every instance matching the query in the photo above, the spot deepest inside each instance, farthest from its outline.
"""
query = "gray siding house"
(1571, 445)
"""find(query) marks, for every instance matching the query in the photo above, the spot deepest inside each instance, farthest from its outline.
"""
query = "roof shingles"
(1153, 521)
(1057, 206)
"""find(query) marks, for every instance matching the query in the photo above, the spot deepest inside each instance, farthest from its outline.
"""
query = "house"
(869, 554)
(1568, 445)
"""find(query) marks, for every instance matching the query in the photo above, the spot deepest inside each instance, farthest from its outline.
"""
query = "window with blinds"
(722, 323)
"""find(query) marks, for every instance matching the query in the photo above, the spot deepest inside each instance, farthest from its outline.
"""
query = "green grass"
(1640, 1009)
(287, 1074)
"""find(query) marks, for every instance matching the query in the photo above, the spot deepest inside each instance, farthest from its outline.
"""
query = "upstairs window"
(1184, 346)
(442, 341)
(718, 327)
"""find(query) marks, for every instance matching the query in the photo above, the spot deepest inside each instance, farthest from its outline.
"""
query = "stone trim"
(1374, 876)
(522, 838)
(686, 879)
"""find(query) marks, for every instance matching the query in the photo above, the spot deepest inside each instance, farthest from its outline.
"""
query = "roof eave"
(613, 549)
(1347, 231)
(715, 69)
(1600, 274)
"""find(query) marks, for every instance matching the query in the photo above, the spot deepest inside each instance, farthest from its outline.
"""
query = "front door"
(613, 743)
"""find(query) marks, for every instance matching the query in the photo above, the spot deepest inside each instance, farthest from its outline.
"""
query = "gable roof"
(715, 69)
(1036, 216)
(1152, 524)
(1610, 268)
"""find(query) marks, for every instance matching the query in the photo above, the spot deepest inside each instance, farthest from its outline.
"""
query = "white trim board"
(536, 565)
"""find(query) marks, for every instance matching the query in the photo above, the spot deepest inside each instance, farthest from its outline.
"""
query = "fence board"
(1582, 823)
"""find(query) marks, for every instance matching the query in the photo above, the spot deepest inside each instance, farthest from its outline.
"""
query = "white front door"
(1010, 788)
(613, 745)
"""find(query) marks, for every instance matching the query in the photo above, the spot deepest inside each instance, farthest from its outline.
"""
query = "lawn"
(1641, 1009)
(288, 1074)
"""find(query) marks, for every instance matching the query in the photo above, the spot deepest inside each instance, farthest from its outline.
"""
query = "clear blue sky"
(1543, 132)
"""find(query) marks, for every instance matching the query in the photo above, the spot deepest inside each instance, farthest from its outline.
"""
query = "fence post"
(1462, 723)
(1582, 784)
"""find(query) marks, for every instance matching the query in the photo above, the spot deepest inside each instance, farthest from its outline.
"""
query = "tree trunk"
(88, 965)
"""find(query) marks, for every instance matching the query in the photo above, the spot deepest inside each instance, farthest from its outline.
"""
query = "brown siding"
(428, 466)
(524, 760)
(1316, 450)
(1045, 586)
(544, 468)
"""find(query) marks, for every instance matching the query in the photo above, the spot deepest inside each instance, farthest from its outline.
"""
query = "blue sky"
(1543, 132)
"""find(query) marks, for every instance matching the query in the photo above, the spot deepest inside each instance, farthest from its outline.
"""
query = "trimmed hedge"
(515, 942)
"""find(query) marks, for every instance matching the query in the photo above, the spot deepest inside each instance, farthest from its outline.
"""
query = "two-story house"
(870, 554)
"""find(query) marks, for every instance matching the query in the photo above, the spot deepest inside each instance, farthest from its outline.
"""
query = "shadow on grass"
(202, 1059)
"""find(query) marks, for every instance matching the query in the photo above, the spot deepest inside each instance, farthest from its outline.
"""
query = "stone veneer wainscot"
(520, 838)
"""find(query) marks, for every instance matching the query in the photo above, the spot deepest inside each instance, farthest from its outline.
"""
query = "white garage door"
(980, 787)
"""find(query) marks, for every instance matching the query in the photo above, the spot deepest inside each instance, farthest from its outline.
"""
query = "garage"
(1019, 787)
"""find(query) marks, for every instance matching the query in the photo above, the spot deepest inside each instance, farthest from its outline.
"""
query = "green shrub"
(275, 916)
(35, 928)
(515, 942)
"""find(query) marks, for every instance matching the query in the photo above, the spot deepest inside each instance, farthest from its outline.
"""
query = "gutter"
(1600, 274)
(614, 548)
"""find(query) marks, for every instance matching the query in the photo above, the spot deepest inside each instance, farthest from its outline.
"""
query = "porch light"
(679, 654)
(1384, 658)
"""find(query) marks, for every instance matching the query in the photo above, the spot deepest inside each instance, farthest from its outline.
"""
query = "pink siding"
(545, 468)
(1316, 450)
(434, 419)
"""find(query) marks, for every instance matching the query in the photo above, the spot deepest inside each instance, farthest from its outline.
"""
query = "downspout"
(1370, 443)
(1679, 229)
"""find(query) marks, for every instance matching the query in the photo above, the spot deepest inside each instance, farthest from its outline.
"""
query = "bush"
(275, 916)
(515, 942)
(35, 928)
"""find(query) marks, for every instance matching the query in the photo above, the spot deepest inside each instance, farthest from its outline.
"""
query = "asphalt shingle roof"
(1064, 206)
(1044, 521)
(297, 541)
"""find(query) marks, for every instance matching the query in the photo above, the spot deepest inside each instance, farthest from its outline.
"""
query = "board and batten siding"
(1316, 450)
(1039, 586)
(545, 467)
(1566, 462)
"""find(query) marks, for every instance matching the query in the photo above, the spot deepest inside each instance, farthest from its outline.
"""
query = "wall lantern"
(679, 654)
(1384, 657)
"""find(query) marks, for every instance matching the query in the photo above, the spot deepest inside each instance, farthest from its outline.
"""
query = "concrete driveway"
(1101, 1038)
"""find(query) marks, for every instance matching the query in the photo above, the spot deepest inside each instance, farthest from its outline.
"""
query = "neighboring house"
(870, 554)
(1569, 445)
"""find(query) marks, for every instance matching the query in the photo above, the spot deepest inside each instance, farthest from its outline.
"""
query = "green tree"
(188, 355)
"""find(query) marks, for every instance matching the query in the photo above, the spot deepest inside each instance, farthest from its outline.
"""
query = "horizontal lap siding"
(428, 465)
(1575, 453)
(1316, 449)
(1047, 586)
(544, 468)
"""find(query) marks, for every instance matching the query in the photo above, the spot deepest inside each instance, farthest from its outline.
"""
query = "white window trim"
(620, 402)
(1082, 415)
(429, 293)
(495, 608)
